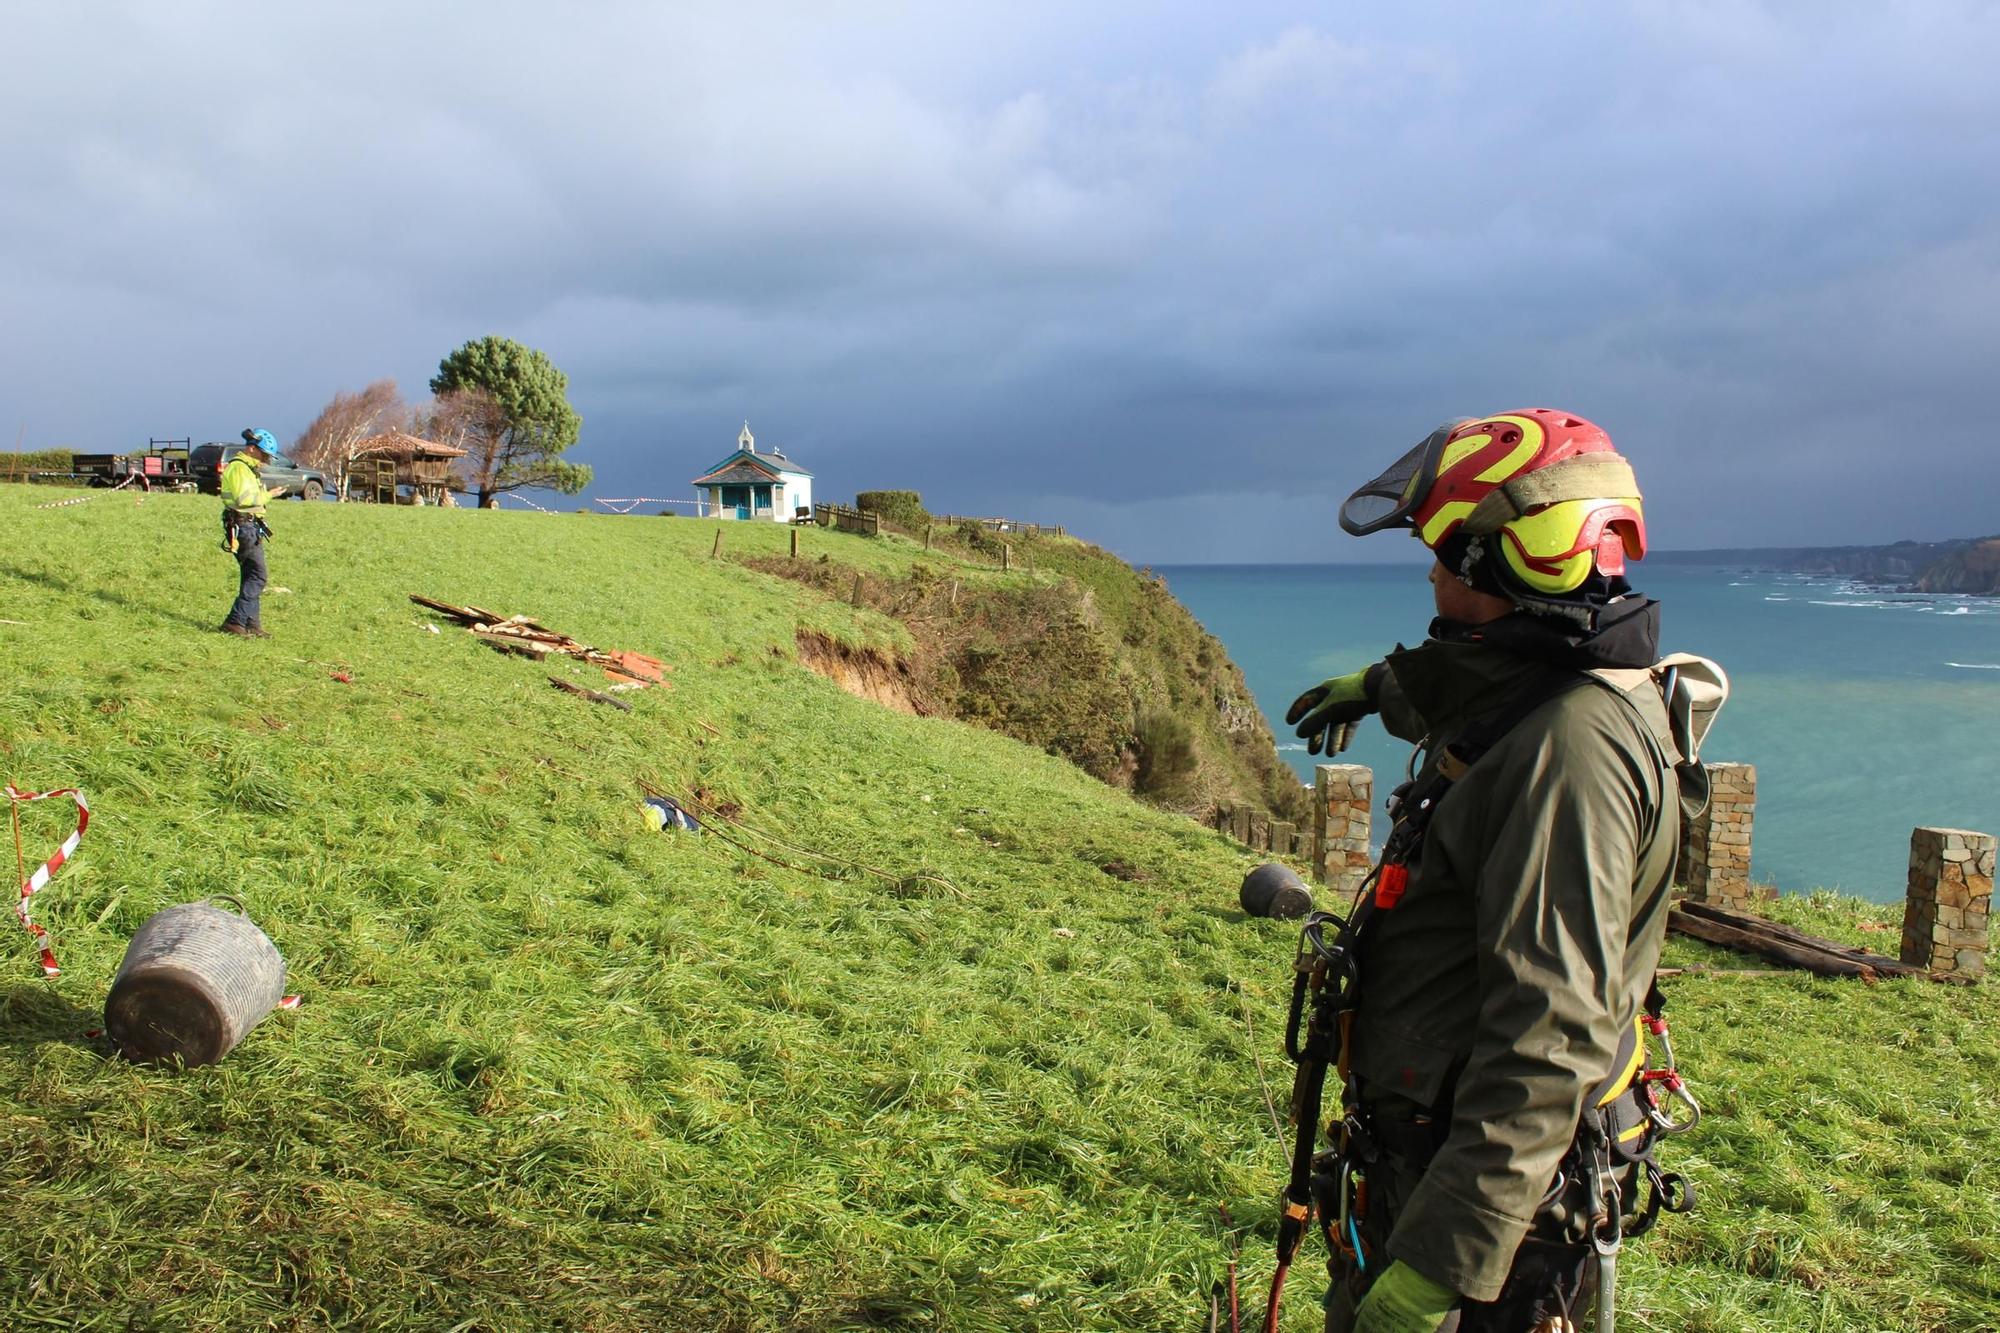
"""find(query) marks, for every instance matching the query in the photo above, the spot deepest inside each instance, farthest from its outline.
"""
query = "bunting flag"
(32, 884)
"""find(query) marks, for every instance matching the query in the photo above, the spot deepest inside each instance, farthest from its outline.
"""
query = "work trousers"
(248, 609)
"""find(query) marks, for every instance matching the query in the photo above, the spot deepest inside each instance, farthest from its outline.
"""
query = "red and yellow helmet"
(1545, 490)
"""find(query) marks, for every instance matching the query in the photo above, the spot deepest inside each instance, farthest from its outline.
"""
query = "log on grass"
(1875, 962)
(595, 696)
(1816, 961)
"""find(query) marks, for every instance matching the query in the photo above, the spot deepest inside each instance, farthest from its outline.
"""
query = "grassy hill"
(553, 1071)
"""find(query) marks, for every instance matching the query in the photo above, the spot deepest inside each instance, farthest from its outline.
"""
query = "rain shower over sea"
(1866, 712)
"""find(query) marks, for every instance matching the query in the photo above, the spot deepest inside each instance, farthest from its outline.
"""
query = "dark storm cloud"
(1179, 280)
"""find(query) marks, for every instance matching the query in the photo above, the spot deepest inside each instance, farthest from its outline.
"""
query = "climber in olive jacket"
(1493, 995)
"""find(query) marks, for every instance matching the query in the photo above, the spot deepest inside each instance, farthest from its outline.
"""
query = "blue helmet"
(262, 439)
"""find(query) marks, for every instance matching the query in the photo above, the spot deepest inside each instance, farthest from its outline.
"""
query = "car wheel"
(312, 490)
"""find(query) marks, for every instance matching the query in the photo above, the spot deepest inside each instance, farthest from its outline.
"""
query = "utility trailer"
(163, 464)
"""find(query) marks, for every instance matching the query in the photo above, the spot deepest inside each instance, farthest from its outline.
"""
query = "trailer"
(164, 464)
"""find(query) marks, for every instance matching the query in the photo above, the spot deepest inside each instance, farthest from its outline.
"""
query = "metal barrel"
(1275, 890)
(195, 980)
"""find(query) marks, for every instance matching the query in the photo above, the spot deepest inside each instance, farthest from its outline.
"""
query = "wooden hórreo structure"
(382, 465)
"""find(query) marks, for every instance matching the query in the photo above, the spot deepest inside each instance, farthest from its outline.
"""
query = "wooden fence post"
(927, 536)
(1006, 560)
(857, 590)
(716, 549)
(795, 543)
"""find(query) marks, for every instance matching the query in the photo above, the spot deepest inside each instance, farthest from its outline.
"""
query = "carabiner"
(1665, 1123)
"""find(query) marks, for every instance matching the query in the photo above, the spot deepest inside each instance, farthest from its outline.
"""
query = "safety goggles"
(1390, 499)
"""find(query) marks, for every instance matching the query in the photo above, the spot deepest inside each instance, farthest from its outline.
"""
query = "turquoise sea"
(1867, 713)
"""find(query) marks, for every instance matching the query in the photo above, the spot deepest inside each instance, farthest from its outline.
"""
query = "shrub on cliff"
(1167, 754)
(899, 509)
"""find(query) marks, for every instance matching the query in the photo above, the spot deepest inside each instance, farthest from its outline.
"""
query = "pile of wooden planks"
(530, 638)
(1767, 939)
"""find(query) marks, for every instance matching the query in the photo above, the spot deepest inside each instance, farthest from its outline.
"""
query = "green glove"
(1404, 1301)
(1326, 713)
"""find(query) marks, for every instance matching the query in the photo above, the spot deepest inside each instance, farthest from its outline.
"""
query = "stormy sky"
(1180, 276)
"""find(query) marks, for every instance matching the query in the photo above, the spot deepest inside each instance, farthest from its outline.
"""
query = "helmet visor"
(1390, 499)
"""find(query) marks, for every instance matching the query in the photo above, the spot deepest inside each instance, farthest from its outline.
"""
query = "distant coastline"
(1967, 566)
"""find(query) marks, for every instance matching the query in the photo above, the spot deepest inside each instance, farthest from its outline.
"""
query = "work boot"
(257, 631)
(240, 631)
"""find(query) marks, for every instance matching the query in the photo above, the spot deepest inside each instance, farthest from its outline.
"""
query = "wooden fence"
(847, 519)
(998, 525)
(1259, 832)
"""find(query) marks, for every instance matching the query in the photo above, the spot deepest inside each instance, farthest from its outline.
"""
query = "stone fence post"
(1343, 796)
(1950, 900)
(1715, 844)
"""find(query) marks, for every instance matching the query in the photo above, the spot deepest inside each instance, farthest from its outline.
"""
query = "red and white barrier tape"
(86, 499)
(32, 884)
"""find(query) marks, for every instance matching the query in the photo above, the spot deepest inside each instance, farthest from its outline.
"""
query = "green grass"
(556, 1072)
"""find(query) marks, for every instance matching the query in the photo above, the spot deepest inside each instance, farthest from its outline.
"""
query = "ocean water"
(1867, 713)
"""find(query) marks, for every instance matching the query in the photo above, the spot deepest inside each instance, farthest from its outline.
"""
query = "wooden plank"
(1888, 967)
(1817, 961)
(595, 696)
(507, 643)
(464, 614)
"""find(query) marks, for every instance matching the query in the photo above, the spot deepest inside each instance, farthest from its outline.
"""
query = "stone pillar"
(1283, 839)
(1343, 795)
(1950, 899)
(1715, 844)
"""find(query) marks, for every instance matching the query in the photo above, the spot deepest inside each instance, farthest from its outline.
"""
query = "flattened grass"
(557, 1072)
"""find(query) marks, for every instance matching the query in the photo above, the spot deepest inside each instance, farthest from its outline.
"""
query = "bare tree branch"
(328, 443)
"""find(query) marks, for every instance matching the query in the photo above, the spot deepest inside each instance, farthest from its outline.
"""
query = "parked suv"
(208, 460)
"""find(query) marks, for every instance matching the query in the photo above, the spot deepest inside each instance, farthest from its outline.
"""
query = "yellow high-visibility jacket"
(242, 489)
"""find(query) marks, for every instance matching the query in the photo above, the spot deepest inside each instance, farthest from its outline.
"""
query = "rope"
(1264, 1084)
(632, 502)
(33, 884)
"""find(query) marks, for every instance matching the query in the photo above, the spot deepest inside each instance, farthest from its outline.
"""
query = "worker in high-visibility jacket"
(244, 496)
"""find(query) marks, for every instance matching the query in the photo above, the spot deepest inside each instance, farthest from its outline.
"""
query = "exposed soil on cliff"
(863, 672)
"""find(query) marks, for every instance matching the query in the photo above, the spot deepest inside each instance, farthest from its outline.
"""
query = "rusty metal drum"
(195, 980)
